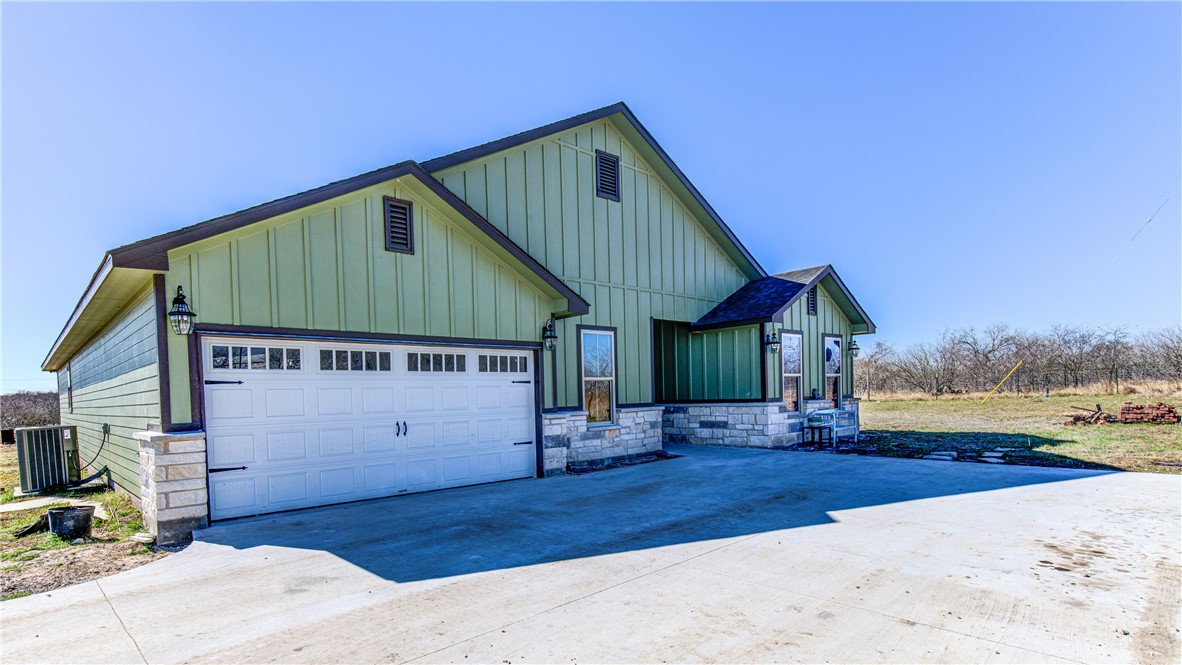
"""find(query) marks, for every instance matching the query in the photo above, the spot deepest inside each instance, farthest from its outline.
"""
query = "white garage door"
(293, 424)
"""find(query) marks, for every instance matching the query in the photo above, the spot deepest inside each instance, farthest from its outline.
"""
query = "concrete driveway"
(721, 555)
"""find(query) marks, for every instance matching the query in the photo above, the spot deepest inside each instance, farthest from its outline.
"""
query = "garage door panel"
(334, 401)
(283, 402)
(338, 482)
(229, 449)
(457, 433)
(230, 495)
(230, 403)
(287, 488)
(329, 432)
(420, 399)
(377, 400)
(383, 477)
(285, 446)
(380, 439)
(335, 442)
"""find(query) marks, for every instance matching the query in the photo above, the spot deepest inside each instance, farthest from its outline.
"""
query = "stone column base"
(173, 491)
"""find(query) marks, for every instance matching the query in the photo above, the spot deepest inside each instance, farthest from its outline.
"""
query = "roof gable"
(766, 300)
(648, 150)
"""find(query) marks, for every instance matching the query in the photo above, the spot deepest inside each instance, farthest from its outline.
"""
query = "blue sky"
(960, 164)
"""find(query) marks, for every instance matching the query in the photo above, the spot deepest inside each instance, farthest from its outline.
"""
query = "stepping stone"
(993, 454)
(993, 460)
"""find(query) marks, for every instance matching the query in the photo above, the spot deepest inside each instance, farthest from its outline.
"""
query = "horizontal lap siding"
(829, 320)
(115, 382)
(326, 267)
(642, 257)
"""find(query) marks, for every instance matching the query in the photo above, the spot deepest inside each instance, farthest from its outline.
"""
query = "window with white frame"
(599, 375)
(832, 367)
(791, 347)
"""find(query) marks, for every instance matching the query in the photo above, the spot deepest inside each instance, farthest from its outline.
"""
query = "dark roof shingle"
(760, 300)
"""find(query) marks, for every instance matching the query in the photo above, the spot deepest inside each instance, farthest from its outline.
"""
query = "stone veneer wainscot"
(567, 439)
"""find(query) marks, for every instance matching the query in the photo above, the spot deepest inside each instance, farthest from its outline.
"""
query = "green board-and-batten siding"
(713, 365)
(643, 257)
(829, 320)
(115, 382)
(326, 268)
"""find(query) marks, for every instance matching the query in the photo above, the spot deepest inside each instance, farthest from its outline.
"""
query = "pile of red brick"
(1148, 413)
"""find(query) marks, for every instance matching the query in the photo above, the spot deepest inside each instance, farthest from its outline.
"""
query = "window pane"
(325, 359)
(383, 361)
(238, 357)
(790, 348)
(293, 359)
(521, 365)
(449, 362)
(597, 401)
(482, 363)
(598, 357)
(513, 363)
(371, 361)
(792, 392)
(504, 363)
(412, 362)
(462, 363)
(424, 362)
(833, 355)
(221, 357)
(437, 362)
(342, 360)
(355, 360)
(493, 365)
(258, 358)
(274, 358)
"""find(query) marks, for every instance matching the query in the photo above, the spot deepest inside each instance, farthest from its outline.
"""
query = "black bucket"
(70, 523)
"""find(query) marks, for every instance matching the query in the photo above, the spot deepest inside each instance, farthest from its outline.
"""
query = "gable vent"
(607, 175)
(400, 230)
(813, 301)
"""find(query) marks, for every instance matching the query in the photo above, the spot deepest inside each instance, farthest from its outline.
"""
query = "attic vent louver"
(813, 301)
(607, 175)
(400, 230)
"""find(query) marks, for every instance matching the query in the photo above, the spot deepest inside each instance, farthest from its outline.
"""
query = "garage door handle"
(405, 429)
(523, 381)
(228, 468)
(218, 383)
(524, 443)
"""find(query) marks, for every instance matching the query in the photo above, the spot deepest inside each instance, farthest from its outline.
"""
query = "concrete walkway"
(722, 555)
(41, 502)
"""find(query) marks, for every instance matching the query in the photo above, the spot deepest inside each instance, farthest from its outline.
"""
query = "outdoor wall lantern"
(854, 348)
(182, 316)
(772, 342)
(549, 337)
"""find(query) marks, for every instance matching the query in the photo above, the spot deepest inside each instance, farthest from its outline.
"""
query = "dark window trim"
(601, 158)
(825, 375)
(615, 365)
(387, 203)
(800, 396)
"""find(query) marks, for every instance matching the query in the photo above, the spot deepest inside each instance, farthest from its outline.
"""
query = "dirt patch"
(42, 562)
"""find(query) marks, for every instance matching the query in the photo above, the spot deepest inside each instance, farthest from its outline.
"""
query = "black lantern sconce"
(854, 348)
(182, 316)
(549, 337)
(772, 342)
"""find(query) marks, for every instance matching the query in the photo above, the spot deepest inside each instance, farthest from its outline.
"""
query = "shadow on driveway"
(707, 495)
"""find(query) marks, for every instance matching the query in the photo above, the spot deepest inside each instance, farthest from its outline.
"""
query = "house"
(562, 296)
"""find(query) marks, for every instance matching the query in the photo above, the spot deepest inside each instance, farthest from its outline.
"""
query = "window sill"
(600, 427)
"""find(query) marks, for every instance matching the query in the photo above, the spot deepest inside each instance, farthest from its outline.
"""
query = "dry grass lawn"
(1031, 426)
